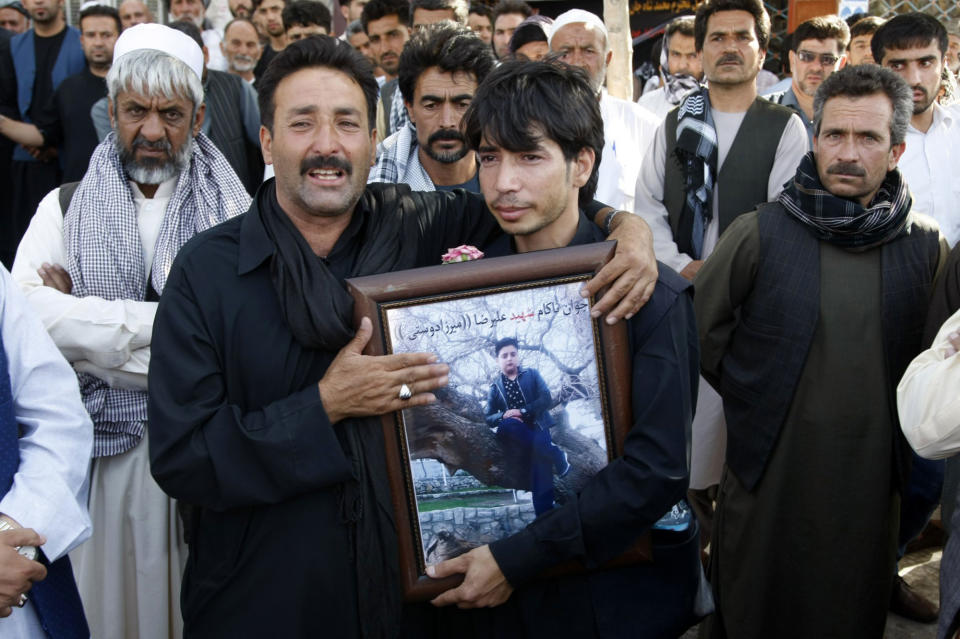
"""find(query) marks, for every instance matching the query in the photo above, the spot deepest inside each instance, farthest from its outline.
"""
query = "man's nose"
(152, 128)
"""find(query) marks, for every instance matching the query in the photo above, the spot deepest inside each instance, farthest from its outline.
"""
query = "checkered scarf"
(697, 150)
(105, 258)
(399, 163)
(844, 222)
(398, 116)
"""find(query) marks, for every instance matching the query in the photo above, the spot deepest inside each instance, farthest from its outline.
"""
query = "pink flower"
(463, 253)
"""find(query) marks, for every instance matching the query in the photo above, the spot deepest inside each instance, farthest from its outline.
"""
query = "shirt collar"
(164, 189)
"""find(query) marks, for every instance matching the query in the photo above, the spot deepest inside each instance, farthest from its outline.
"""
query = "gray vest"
(743, 176)
(766, 357)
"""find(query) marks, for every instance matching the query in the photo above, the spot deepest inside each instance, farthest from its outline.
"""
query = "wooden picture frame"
(515, 296)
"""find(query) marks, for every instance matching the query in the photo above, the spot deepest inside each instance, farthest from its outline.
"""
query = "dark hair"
(503, 343)
(510, 6)
(188, 27)
(533, 29)
(306, 13)
(863, 80)
(240, 19)
(103, 11)
(866, 25)
(377, 9)
(459, 8)
(906, 32)
(354, 27)
(822, 28)
(521, 102)
(450, 48)
(331, 53)
(482, 10)
(684, 25)
(257, 3)
(761, 19)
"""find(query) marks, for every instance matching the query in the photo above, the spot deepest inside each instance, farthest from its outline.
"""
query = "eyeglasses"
(826, 59)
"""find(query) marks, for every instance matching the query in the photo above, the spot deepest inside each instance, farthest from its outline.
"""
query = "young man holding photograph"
(538, 164)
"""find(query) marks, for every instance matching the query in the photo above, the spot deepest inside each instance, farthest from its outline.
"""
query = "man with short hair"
(423, 13)
(386, 23)
(352, 9)
(46, 437)
(507, 16)
(195, 11)
(241, 47)
(65, 123)
(13, 17)
(680, 68)
(358, 39)
(92, 264)
(809, 310)
(914, 45)
(240, 8)
(515, 114)
(31, 69)
(816, 51)
(518, 409)
(579, 38)
(439, 71)
(134, 12)
(689, 193)
(480, 21)
(304, 18)
(861, 33)
(230, 425)
(268, 18)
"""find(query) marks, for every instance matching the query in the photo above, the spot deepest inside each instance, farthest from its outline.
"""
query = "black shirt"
(46, 51)
(65, 122)
(265, 58)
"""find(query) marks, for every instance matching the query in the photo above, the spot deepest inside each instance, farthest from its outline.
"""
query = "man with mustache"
(241, 47)
(439, 71)
(92, 264)
(263, 411)
(816, 52)
(809, 310)
(718, 155)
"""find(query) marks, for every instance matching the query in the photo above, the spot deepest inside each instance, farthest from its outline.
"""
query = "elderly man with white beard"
(92, 264)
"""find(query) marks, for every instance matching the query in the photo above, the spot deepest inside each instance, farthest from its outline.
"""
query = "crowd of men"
(190, 440)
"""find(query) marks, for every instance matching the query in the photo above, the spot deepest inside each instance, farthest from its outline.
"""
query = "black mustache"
(325, 162)
(730, 57)
(446, 134)
(846, 168)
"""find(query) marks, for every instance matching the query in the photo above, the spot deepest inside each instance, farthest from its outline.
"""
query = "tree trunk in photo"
(616, 16)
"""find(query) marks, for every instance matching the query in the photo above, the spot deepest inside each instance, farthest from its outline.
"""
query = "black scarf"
(319, 311)
(696, 149)
(844, 222)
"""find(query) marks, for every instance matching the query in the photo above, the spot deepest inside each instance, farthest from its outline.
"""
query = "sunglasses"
(826, 59)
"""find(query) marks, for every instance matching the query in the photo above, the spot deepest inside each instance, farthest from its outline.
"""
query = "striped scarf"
(846, 223)
(105, 258)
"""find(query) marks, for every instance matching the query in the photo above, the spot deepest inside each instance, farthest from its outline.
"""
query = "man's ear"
(111, 113)
(895, 152)
(583, 166)
(606, 62)
(198, 121)
(266, 145)
(373, 146)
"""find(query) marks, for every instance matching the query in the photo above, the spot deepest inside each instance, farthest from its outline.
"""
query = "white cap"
(160, 38)
(576, 16)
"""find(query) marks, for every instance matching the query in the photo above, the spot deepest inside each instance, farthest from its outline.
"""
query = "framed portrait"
(538, 399)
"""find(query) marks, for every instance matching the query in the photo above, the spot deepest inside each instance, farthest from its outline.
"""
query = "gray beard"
(155, 172)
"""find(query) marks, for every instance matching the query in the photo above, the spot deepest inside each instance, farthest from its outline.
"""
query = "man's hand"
(514, 413)
(484, 586)
(359, 385)
(55, 276)
(17, 573)
(954, 344)
(690, 270)
(633, 271)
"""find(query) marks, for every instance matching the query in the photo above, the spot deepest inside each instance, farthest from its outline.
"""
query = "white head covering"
(576, 16)
(160, 38)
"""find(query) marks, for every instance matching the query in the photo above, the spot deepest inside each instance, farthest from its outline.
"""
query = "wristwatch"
(30, 552)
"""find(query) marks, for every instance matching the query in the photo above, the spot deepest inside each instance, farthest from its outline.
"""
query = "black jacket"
(536, 396)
